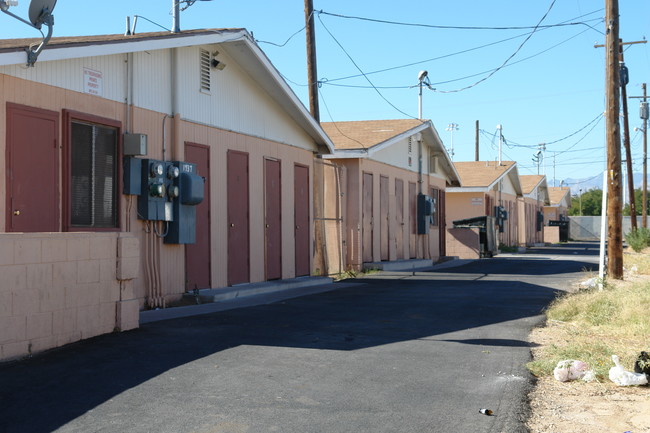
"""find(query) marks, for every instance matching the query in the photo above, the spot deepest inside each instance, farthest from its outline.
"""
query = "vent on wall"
(204, 68)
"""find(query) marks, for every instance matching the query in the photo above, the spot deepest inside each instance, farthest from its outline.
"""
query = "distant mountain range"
(596, 182)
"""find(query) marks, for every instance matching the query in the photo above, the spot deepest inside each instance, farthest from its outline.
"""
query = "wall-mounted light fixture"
(216, 64)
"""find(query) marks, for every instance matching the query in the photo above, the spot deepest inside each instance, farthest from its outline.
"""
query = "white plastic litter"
(622, 377)
(572, 369)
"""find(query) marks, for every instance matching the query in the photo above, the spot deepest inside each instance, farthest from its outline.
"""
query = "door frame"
(266, 260)
(11, 109)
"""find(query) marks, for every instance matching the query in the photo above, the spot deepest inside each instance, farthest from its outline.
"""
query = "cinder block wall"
(58, 288)
(464, 243)
(551, 235)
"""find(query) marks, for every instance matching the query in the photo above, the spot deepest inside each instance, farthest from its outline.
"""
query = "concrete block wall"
(551, 235)
(58, 288)
(464, 243)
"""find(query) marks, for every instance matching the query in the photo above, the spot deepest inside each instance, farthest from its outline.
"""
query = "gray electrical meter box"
(135, 144)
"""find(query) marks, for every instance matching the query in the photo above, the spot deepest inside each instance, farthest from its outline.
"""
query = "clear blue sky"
(551, 88)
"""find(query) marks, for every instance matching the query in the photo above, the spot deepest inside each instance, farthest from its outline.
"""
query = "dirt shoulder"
(578, 407)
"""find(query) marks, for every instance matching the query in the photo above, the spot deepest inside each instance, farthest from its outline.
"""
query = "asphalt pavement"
(393, 352)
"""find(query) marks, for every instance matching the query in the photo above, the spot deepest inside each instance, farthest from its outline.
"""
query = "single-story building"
(557, 210)
(393, 175)
(140, 167)
(531, 205)
(491, 189)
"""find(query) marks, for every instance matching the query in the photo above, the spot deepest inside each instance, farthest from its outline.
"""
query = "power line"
(508, 59)
(360, 70)
(434, 26)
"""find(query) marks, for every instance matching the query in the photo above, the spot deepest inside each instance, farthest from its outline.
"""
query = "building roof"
(367, 133)
(361, 139)
(237, 42)
(530, 182)
(483, 173)
(558, 193)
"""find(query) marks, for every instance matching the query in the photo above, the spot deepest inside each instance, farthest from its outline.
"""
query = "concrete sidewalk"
(267, 292)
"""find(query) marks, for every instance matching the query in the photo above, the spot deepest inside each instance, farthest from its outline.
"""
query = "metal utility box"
(157, 181)
(425, 213)
(190, 187)
(487, 233)
(132, 172)
(134, 145)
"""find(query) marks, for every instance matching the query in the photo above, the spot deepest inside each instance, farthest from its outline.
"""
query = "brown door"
(442, 222)
(238, 218)
(366, 218)
(272, 220)
(197, 255)
(399, 218)
(32, 170)
(383, 217)
(413, 220)
(301, 212)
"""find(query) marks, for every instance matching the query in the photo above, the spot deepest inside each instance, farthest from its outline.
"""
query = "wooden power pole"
(644, 199)
(312, 73)
(612, 79)
(476, 144)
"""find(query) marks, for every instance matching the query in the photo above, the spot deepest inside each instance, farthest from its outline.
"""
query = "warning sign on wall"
(93, 82)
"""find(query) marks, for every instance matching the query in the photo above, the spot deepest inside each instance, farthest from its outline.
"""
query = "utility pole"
(476, 144)
(612, 84)
(623, 78)
(626, 138)
(312, 73)
(500, 128)
(643, 112)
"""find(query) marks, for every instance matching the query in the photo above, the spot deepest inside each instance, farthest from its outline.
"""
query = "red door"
(399, 218)
(442, 225)
(238, 218)
(197, 255)
(272, 231)
(301, 212)
(32, 166)
(383, 218)
(413, 221)
(366, 218)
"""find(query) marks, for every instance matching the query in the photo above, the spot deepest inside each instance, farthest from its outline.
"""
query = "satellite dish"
(39, 11)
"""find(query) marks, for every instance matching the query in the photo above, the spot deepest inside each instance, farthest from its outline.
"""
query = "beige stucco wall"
(425, 246)
(462, 205)
(159, 264)
(528, 209)
(58, 288)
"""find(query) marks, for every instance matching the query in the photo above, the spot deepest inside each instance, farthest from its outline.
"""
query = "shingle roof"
(481, 173)
(557, 193)
(366, 133)
(9, 45)
(529, 182)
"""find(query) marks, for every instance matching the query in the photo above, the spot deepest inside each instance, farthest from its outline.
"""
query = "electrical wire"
(508, 59)
(335, 124)
(290, 37)
(360, 70)
(433, 26)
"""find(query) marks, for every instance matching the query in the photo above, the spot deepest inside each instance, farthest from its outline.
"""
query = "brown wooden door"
(399, 218)
(366, 218)
(238, 218)
(413, 220)
(301, 212)
(442, 224)
(197, 255)
(384, 224)
(272, 220)
(32, 167)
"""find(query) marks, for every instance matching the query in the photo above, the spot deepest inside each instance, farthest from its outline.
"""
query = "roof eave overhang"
(237, 42)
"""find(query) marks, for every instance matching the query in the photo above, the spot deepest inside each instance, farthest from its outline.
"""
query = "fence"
(587, 228)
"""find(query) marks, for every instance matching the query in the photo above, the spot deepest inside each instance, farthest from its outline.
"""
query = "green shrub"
(638, 238)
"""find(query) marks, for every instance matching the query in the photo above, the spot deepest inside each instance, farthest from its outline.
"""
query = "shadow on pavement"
(48, 391)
